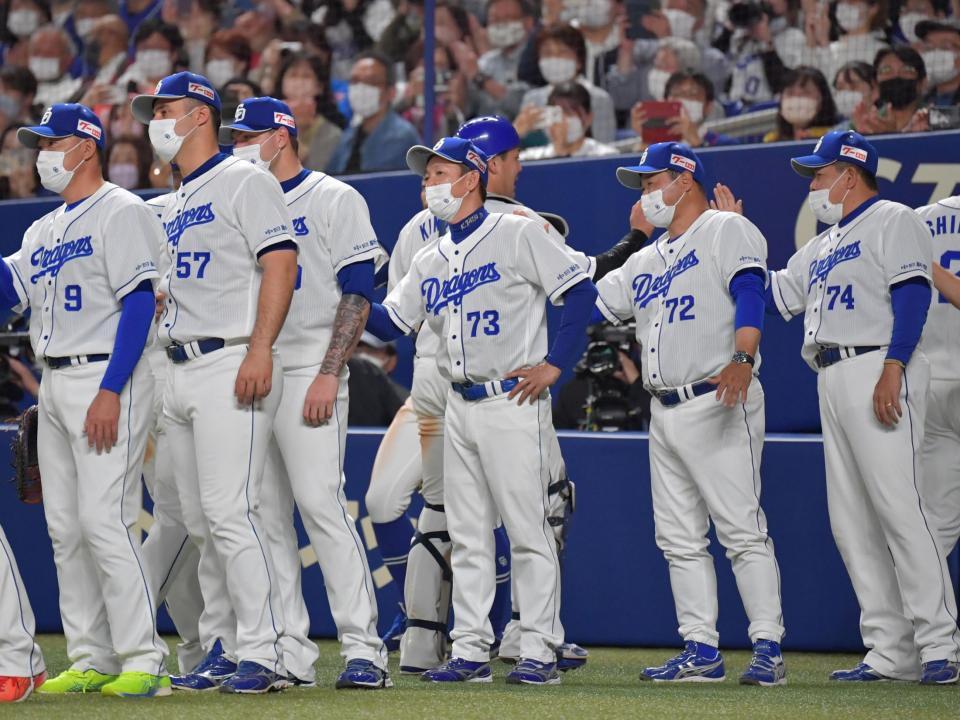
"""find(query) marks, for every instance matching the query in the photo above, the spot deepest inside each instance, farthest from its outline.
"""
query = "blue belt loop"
(831, 355)
(478, 391)
(59, 362)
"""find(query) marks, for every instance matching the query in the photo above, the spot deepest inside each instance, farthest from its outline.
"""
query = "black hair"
(326, 104)
(144, 157)
(906, 54)
(699, 78)
(860, 70)
(170, 33)
(383, 60)
(19, 79)
(525, 9)
(572, 91)
(241, 80)
(566, 35)
(827, 114)
(869, 179)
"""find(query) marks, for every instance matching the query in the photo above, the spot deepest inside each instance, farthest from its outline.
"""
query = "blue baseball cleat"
(534, 672)
(391, 638)
(459, 670)
(861, 673)
(697, 663)
(571, 656)
(766, 666)
(363, 674)
(940, 672)
(208, 674)
(253, 679)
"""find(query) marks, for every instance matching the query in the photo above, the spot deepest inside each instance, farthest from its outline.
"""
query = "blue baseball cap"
(453, 149)
(838, 146)
(491, 134)
(63, 120)
(259, 114)
(176, 87)
(660, 157)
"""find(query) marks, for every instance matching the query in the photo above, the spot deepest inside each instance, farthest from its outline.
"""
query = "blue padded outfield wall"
(616, 588)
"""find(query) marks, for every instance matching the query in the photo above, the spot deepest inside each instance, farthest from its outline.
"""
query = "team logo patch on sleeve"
(684, 162)
(280, 118)
(852, 152)
(89, 128)
(198, 89)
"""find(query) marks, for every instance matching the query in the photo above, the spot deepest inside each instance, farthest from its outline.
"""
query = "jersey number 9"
(73, 298)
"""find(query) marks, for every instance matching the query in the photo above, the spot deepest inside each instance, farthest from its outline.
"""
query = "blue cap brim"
(809, 164)
(142, 106)
(225, 135)
(631, 176)
(30, 136)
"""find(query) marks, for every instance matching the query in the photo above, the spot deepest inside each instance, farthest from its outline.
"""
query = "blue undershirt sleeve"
(747, 291)
(357, 279)
(380, 324)
(578, 306)
(135, 318)
(383, 276)
(911, 301)
(8, 293)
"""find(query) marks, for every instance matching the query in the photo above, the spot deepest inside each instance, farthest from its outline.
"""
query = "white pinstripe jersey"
(332, 226)
(216, 225)
(484, 297)
(421, 231)
(941, 336)
(678, 292)
(841, 279)
(75, 266)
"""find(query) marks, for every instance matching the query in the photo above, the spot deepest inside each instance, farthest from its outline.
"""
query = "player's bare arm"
(352, 312)
(734, 380)
(276, 291)
(947, 284)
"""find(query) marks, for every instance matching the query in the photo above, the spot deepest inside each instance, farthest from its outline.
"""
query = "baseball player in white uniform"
(697, 298)
(339, 255)
(941, 345)
(86, 271)
(233, 270)
(22, 669)
(863, 288)
(482, 291)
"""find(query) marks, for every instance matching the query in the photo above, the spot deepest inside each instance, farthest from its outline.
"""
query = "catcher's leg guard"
(427, 593)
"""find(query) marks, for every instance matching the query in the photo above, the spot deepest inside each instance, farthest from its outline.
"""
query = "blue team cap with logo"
(838, 146)
(176, 87)
(453, 149)
(259, 114)
(63, 120)
(492, 134)
(660, 157)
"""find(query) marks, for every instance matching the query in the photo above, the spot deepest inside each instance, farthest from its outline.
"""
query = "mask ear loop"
(276, 154)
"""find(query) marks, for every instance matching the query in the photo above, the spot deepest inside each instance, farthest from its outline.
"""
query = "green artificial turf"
(607, 688)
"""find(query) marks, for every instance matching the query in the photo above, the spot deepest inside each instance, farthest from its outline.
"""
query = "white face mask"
(442, 202)
(220, 71)
(163, 136)
(575, 129)
(908, 24)
(507, 34)
(44, 69)
(154, 63)
(657, 82)
(251, 153)
(681, 23)
(594, 13)
(694, 109)
(126, 175)
(825, 211)
(941, 65)
(364, 99)
(656, 210)
(850, 16)
(53, 176)
(23, 22)
(84, 26)
(556, 70)
(798, 110)
(847, 101)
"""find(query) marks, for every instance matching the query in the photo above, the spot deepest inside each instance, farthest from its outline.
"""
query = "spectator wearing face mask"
(83, 19)
(806, 107)
(602, 26)
(18, 169)
(378, 138)
(695, 93)
(914, 12)
(450, 93)
(901, 85)
(157, 46)
(861, 26)
(570, 136)
(105, 59)
(854, 85)
(228, 56)
(18, 88)
(24, 17)
(562, 54)
(495, 88)
(128, 162)
(303, 83)
(939, 45)
(50, 53)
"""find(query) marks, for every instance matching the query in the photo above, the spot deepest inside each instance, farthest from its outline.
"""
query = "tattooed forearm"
(348, 325)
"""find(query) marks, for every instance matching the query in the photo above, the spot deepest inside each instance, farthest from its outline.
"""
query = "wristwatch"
(741, 357)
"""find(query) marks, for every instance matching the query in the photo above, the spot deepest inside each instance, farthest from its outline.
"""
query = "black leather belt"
(191, 351)
(829, 356)
(60, 362)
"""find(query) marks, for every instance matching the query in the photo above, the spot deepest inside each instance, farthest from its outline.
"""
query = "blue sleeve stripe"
(132, 283)
(397, 320)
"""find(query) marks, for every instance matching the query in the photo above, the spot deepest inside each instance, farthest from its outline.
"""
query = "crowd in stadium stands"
(577, 77)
